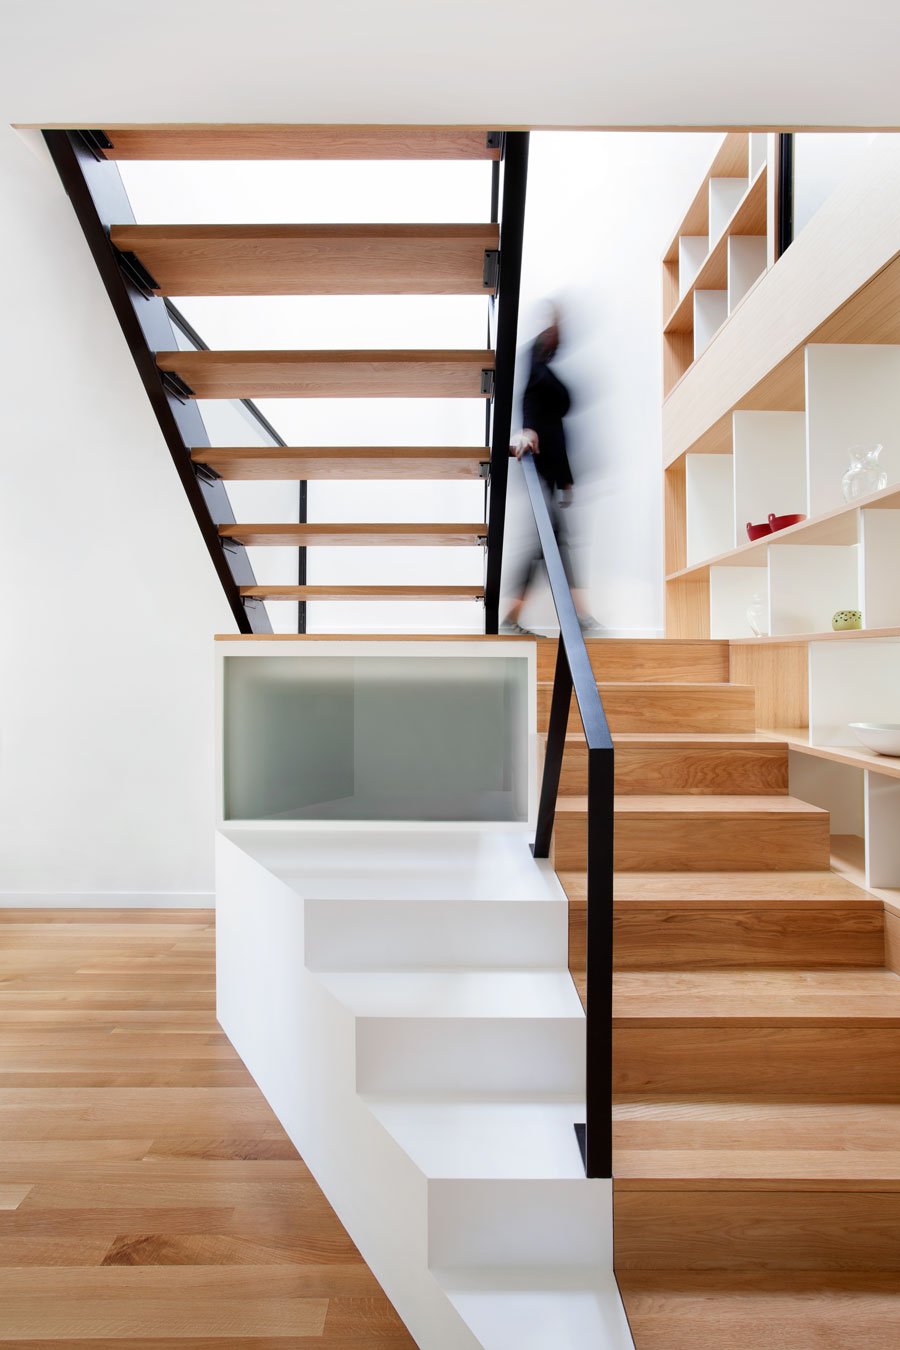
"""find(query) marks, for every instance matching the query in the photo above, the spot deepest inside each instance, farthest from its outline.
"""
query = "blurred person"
(545, 405)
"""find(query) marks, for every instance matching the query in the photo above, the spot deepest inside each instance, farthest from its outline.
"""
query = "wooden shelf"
(364, 592)
(330, 374)
(829, 635)
(302, 463)
(856, 756)
(274, 535)
(749, 218)
(838, 282)
(834, 527)
(732, 160)
(262, 141)
(312, 259)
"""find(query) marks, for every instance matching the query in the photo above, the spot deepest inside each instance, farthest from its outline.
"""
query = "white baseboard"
(107, 900)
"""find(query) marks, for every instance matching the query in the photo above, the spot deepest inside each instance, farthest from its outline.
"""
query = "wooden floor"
(148, 1195)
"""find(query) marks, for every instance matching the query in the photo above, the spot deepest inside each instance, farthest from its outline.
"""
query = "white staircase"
(409, 1014)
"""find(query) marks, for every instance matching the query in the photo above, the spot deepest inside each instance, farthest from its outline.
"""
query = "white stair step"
(457, 994)
(520, 1223)
(481, 1033)
(557, 1308)
(353, 935)
(494, 1140)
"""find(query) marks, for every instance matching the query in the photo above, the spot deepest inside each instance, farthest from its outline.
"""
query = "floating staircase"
(145, 265)
(756, 1034)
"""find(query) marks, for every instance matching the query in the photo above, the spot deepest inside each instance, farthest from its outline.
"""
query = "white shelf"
(808, 585)
(747, 258)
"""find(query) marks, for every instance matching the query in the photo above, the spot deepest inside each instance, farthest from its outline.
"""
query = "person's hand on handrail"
(524, 443)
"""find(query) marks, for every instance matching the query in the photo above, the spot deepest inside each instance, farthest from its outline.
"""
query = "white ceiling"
(494, 63)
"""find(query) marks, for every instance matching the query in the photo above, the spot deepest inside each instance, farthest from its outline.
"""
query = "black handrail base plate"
(581, 1136)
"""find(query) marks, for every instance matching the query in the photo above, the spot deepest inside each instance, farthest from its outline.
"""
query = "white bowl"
(882, 737)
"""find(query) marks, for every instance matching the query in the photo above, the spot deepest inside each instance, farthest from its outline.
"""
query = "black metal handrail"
(574, 670)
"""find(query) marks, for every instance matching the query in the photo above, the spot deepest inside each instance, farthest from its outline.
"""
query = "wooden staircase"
(160, 261)
(756, 1029)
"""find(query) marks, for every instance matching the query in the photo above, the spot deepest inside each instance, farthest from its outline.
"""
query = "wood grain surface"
(148, 1194)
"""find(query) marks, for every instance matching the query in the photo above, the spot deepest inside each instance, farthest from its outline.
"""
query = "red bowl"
(782, 522)
(757, 531)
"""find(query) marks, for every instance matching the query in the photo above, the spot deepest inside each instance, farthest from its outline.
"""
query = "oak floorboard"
(149, 1198)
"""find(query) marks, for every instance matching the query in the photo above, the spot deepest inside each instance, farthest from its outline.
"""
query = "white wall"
(110, 599)
(602, 208)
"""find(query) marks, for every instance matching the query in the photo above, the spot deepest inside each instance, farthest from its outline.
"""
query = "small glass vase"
(865, 474)
(758, 617)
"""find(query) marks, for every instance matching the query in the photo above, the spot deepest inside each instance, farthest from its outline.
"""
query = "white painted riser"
(345, 935)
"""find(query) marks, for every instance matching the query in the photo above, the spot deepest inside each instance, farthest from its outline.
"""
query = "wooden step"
(364, 592)
(718, 1143)
(690, 921)
(634, 706)
(647, 660)
(312, 259)
(850, 1226)
(700, 834)
(354, 533)
(758, 1033)
(733, 1310)
(261, 141)
(331, 374)
(345, 462)
(698, 763)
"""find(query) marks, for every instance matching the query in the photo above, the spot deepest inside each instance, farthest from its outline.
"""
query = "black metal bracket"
(176, 386)
(136, 273)
(491, 270)
(494, 140)
(206, 472)
(95, 142)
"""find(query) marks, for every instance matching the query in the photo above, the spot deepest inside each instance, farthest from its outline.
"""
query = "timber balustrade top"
(345, 462)
(332, 374)
(313, 259)
(264, 141)
(388, 533)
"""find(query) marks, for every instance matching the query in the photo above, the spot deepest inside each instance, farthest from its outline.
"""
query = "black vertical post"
(784, 234)
(512, 226)
(560, 703)
(599, 964)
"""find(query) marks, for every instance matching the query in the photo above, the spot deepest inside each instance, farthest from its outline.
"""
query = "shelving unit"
(803, 365)
(718, 254)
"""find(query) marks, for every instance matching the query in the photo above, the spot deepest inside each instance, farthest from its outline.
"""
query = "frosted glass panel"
(376, 738)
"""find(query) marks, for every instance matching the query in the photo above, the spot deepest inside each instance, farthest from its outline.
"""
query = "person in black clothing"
(545, 404)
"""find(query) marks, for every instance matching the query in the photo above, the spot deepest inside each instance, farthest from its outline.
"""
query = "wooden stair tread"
(263, 535)
(456, 373)
(276, 141)
(312, 259)
(720, 1144)
(350, 462)
(686, 739)
(726, 889)
(364, 592)
(737, 1310)
(865, 996)
(678, 804)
